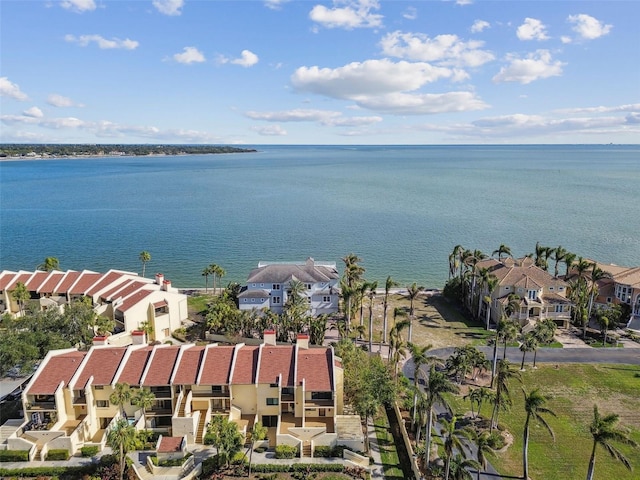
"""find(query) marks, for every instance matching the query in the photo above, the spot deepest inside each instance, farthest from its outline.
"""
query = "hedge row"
(14, 455)
(297, 467)
(89, 451)
(58, 454)
(285, 451)
(63, 472)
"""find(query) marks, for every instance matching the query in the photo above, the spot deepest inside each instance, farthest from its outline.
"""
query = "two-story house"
(267, 286)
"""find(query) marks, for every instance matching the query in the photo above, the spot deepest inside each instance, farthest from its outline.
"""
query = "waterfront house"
(123, 296)
(621, 286)
(267, 286)
(295, 390)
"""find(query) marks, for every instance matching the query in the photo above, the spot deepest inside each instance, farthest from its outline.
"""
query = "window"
(561, 288)
(322, 412)
(321, 396)
(532, 294)
(551, 289)
(326, 299)
(559, 308)
(272, 401)
(287, 390)
(262, 284)
(98, 387)
(102, 403)
(275, 286)
(253, 300)
(276, 300)
(307, 286)
(609, 299)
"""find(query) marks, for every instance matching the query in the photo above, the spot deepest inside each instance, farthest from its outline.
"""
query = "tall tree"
(144, 257)
(371, 293)
(502, 398)
(388, 285)
(419, 357)
(258, 433)
(482, 442)
(122, 438)
(453, 438)
(217, 272)
(120, 396)
(528, 343)
(568, 260)
(606, 434)
(502, 250)
(534, 406)
(49, 264)
(436, 387)
(559, 254)
(143, 398)
(412, 293)
(205, 273)
(20, 294)
(454, 260)
(597, 274)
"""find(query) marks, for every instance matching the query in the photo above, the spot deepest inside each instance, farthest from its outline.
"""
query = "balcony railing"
(41, 406)
(318, 402)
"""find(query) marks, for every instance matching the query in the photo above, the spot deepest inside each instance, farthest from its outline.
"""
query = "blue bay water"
(402, 209)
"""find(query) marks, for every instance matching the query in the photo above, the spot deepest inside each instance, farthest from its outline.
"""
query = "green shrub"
(58, 454)
(285, 451)
(496, 441)
(323, 451)
(14, 455)
(297, 467)
(62, 472)
(89, 451)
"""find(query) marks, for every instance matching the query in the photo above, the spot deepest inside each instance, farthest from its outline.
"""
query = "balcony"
(318, 402)
(39, 406)
(213, 393)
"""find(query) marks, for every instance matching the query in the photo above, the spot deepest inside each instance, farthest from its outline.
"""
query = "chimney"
(303, 341)
(138, 337)
(159, 278)
(100, 340)
(269, 337)
(166, 285)
(310, 264)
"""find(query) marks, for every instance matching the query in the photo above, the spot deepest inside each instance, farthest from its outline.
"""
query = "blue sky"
(319, 72)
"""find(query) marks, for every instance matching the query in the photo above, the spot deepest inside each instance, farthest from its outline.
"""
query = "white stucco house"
(267, 286)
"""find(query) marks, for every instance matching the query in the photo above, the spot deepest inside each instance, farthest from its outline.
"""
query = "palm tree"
(502, 250)
(371, 287)
(604, 433)
(144, 257)
(49, 264)
(258, 433)
(121, 438)
(436, 387)
(419, 357)
(529, 343)
(454, 260)
(388, 285)
(559, 254)
(502, 398)
(534, 406)
(544, 333)
(20, 294)
(596, 274)
(217, 272)
(568, 260)
(483, 447)
(143, 398)
(412, 292)
(120, 396)
(452, 439)
(508, 334)
(205, 273)
(459, 468)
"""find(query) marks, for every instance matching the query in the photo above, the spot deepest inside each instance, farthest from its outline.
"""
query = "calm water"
(401, 209)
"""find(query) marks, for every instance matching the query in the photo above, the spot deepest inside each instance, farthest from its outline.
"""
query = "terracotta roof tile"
(162, 363)
(244, 371)
(105, 282)
(275, 361)
(6, 278)
(59, 368)
(133, 300)
(122, 290)
(87, 280)
(217, 365)
(69, 278)
(51, 282)
(134, 367)
(102, 365)
(314, 366)
(187, 370)
(170, 444)
(20, 277)
(36, 281)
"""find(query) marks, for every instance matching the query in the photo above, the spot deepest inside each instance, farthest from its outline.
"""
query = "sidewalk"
(377, 470)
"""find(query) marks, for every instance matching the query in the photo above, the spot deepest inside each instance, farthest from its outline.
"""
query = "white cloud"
(535, 66)
(479, 26)
(443, 49)
(410, 13)
(9, 89)
(356, 14)
(565, 39)
(34, 112)
(189, 55)
(247, 59)
(632, 107)
(323, 117)
(532, 29)
(79, 6)
(60, 101)
(588, 27)
(464, 2)
(270, 130)
(423, 104)
(275, 4)
(103, 43)
(169, 7)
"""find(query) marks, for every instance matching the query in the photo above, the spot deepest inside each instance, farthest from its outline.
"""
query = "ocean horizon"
(401, 209)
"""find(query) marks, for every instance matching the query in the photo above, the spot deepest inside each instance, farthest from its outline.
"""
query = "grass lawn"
(573, 390)
(390, 460)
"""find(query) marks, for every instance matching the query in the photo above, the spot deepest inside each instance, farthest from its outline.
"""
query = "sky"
(359, 72)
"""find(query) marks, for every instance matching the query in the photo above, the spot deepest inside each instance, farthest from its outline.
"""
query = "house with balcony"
(541, 295)
(621, 286)
(295, 390)
(268, 286)
(125, 297)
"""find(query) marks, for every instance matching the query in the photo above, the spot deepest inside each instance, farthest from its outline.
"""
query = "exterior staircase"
(38, 456)
(183, 403)
(306, 449)
(201, 426)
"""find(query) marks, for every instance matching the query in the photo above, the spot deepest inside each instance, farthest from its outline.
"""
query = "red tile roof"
(106, 281)
(217, 365)
(244, 371)
(187, 370)
(69, 278)
(123, 290)
(102, 365)
(170, 444)
(51, 282)
(86, 281)
(6, 279)
(59, 368)
(36, 280)
(21, 277)
(314, 366)
(134, 367)
(275, 361)
(133, 300)
(162, 363)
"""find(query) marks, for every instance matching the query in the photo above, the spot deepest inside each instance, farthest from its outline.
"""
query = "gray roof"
(254, 294)
(283, 273)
